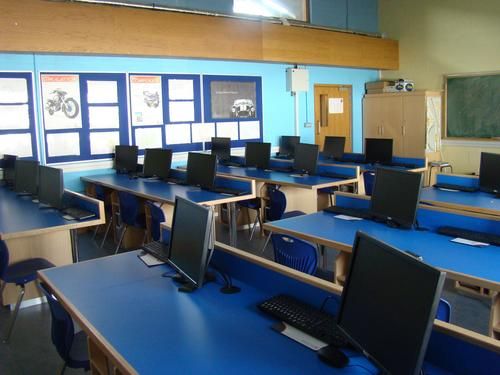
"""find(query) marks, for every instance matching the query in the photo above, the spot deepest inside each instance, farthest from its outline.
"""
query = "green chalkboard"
(473, 106)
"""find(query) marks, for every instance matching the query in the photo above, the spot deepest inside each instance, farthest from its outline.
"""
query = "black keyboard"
(305, 318)
(402, 165)
(355, 212)
(282, 169)
(284, 156)
(468, 189)
(177, 181)
(78, 213)
(493, 239)
(225, 190)
(157, 249)
(229, 164)
(335, 175)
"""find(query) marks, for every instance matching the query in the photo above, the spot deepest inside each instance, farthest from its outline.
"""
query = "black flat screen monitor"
(221, 148)
(157, 162)
(26, 181)
(388, 305)
(201, 169)
(334, 147)
(50, 186)
(8, 166)
(378, 150)
(257, 154)
(395, 196)
(190, 240)
(306, 158)
(126, 158)
(489, 172)
(287, 145)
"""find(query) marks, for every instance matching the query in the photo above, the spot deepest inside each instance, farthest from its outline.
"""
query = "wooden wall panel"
(68, 27)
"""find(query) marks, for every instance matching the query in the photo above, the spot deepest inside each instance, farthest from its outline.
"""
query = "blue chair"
(19, 273)
(276, 209)
(129, 216)
(369, 178)
(295, 253)
(156, 216)
(252, 204)
(71, 347)
(101, 195)
(444, 311)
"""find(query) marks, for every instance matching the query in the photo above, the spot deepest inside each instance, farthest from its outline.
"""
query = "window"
(290, 9)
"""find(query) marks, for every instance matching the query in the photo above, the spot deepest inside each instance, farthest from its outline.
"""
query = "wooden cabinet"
(407, 118)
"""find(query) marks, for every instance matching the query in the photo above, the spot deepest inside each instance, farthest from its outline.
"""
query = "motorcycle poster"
(61, 101)
(146, 100)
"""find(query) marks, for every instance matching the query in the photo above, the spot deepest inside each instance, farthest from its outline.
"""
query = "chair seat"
(253, 204)
(79, 355)
(290, 214)
(24, 271)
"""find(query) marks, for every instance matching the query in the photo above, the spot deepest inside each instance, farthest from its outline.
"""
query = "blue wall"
(278, 104)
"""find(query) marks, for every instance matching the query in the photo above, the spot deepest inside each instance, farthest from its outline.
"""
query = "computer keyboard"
(493, 239)
(177, 181)
(468, 189)
(282, 169)
(305, 318)
(335, 175)
(355, 212)
(157, 249)
(229, 164)
(284, 156)
(402, 165)
(225, 190)
(78, 213)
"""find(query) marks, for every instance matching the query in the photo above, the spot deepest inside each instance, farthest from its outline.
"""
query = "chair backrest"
(444, 311)
(4, 258)
(157, 217)
(129, 207)
(295, 253)
(62, 325)
(369, 178)
(277, 204)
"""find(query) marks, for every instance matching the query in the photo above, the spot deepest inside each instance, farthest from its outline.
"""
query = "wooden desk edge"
(89, 329)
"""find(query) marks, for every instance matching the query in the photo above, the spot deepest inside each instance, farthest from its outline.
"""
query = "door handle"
(319, 127)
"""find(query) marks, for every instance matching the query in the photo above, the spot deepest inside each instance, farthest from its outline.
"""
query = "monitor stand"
(333, 356)
(189, 287)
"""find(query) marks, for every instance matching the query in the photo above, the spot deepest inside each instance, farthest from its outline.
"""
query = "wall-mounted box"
(297, 79)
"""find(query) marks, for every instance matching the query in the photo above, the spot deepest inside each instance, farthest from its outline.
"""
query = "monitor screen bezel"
(222, 149)
(331, 149)
(194, 280)
(374, 142)
(440, 275)
(485, 165)
(263, 157)
(165, 156)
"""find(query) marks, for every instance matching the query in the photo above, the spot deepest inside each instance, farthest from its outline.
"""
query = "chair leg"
(1, 293)
(248, 220)
(14, 317)
(106, 232)
(254, 226)
(122, 234)
(63, 368)
(267, 241)
(95, 232)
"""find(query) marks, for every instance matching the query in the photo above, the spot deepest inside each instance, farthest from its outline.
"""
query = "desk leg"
(495, 316)
(341, 266)
(231, 210)
(74, 245)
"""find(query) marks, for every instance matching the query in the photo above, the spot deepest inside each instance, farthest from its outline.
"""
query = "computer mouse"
(333, 356)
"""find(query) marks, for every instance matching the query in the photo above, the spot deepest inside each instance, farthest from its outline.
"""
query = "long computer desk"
(478, 201)
(29, 232)
(471, 266)
(164, 192)
(164, 331)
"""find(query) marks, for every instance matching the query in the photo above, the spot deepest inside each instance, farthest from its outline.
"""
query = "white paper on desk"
(150, 260)
(347, 217)
(14, 117)
(469, 242)
(299, 336)
(445, 189)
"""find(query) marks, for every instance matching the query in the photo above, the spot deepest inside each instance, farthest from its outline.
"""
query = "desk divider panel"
(461, 180)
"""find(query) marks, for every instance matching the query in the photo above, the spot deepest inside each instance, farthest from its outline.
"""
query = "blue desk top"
(159, 330)
(436, 249)
(477, 201)
(19, 216)
(161, 191)
(307, 182)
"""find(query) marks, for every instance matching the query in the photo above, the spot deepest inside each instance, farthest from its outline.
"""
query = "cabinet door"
(414, 126)
(392, 112)
(372, 117)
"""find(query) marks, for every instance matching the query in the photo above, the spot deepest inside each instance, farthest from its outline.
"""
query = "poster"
(180, 89)
(102, 92)
(335, 105)
(203, 132)
(16, 144)
(104, 117)
(148, 138)
(233, 99)
(61, 101)
(146, 100)
(228, 130)
(13, 90)
(249, 129)
(181, 111)
(176, 134)
(103, 142)
(63, 144)
(14, 117)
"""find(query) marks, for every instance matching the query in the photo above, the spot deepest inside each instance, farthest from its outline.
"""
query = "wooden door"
(414, 126)
(333, 113)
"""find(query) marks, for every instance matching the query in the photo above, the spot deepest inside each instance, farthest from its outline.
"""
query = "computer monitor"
(221, 148)
(157, 162)
(257, 154)
(287, 145)
(489, 172)
(201, 169)
(395, 196)
(190, 242)
(306, 158)
(26, 181)
(126, 158)
(50, 186)
(378, 150)
(8, 166)
(334, 147)
(388, 305)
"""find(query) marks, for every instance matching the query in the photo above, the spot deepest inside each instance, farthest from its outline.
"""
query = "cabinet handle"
(382, 130)
(319, 127)
(403, 129)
